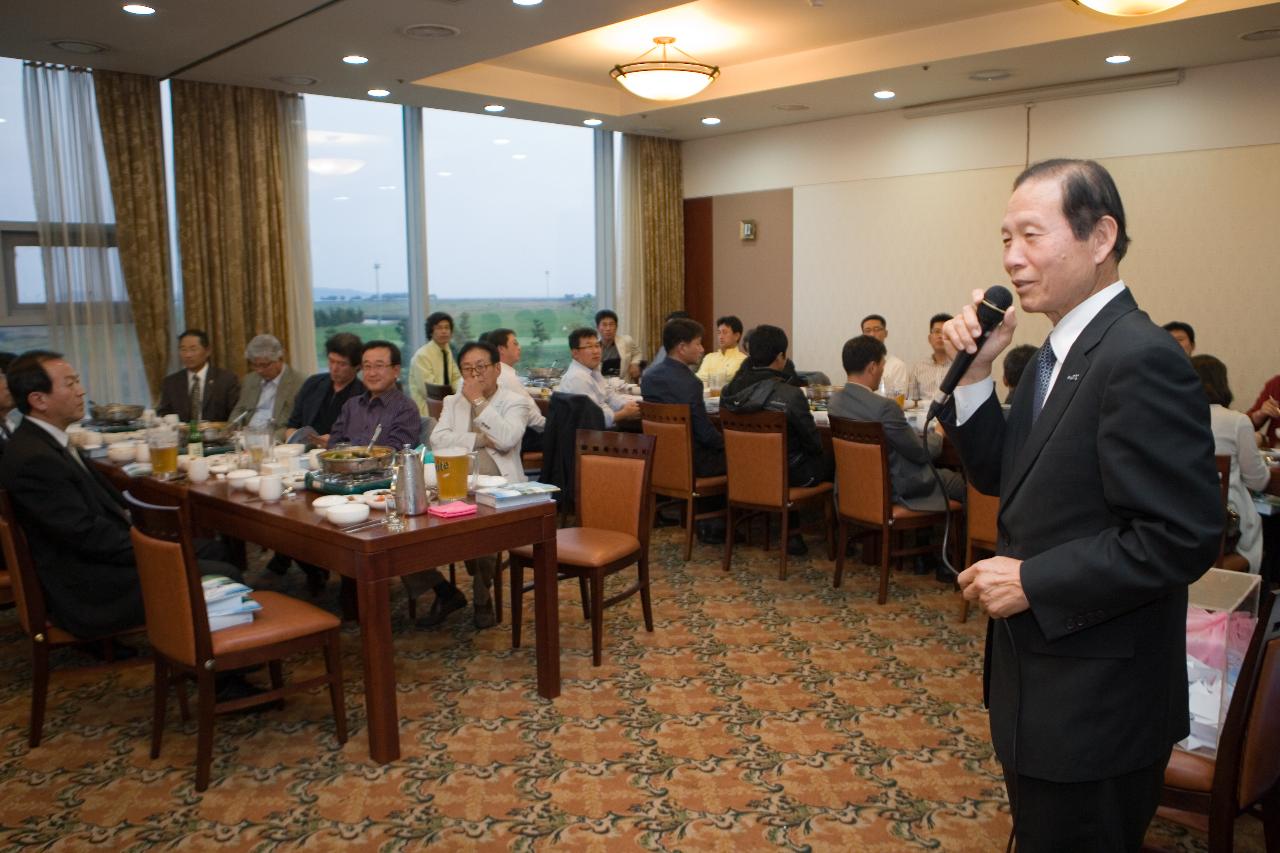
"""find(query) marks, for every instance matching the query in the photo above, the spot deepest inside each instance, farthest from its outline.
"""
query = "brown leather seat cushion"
(54, 634)
(706, 484)
(281, 618)
(587, 546)
(1234, 563)
(802, 492)
(1189, 772)
(900, 511)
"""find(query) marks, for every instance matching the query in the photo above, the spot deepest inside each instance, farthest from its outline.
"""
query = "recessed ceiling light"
(1118, 59)
(77, 46)
(711, 120)
(502, 142)
(1262, 35)
(592, 122)
(527, 2)
(791, 108)
(986, 75)
(494, 108)
(3, 120)
(885, 94)
(138, 9)
(379, 93)
(429, 31)
(519, 156)
(295, 80)
(444, 174)
(355, 59)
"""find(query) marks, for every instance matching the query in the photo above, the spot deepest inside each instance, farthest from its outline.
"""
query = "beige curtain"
(293, 145)
(133, 142)
(652, 253)
(229, 181)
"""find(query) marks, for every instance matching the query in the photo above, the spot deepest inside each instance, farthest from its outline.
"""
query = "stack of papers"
(227, 602)
(517, 494)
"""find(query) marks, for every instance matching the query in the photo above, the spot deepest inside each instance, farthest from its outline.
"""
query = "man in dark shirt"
(671, 381)
(382, 403)
(323, 395)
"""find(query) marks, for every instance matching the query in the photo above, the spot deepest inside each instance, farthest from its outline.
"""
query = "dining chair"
(1209, 793)
(673, 476)
(435, 406)
(614, 472)
(864, 496)
(33, 617)
(178, 629)
(755, 451)
(566, 414)
(981, 512)
(438, 392)
(1231, 561)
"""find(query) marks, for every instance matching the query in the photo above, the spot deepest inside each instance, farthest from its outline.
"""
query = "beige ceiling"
(551, 62)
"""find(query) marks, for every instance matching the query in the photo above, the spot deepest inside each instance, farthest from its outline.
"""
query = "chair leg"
(333, 666)
(39, 690)
(517, 600)
(728, 536)
(205, 691)
(782, 546)
(499, 564)
(276, 670)
(646, 601)
(884, 566)
(586, 597)
(412, 601)
(180, 687)
(160, 689)
(829, 514)
(842, 540)
(688, 528)
(597, 616)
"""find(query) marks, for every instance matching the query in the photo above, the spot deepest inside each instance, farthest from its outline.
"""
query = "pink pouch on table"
(453, 509)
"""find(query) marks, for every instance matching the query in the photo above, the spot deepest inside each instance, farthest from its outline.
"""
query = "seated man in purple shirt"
(381, 403)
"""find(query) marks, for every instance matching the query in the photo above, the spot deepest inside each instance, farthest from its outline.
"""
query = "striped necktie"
(1045, 360)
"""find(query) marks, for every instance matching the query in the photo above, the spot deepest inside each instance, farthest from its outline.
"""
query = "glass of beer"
(453, 465)
(258, 441)
(162, 441)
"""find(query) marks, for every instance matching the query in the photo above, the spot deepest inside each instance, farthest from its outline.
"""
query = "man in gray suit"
(910, 476)
(269, 390)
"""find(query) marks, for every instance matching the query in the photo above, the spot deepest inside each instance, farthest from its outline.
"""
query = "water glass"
(395, 522)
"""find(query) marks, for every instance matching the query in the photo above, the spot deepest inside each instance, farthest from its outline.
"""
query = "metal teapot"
(411, 483)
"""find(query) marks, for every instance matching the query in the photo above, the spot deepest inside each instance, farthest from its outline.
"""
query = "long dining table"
(374, 557)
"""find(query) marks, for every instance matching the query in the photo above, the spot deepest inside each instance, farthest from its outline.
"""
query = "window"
(511, 229)
(22, 286)
(358, 261)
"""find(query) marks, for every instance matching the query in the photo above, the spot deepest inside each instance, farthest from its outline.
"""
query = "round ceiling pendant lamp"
(664, 79)
(1129, 8)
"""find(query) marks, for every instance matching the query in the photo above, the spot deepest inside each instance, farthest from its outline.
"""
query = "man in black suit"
(8, 421)
(1109, 508)
(75, 520)
(674, 382)
(217, 389)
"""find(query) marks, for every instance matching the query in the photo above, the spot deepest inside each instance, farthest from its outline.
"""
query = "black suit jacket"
(1111, 501)
(306, 406)
(221, 390)
(78, 534)
(671, 381)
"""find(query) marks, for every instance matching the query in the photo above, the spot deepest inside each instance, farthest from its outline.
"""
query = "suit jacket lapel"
(1029, 439)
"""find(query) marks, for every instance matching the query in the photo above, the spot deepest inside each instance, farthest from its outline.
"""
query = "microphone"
(991, 310)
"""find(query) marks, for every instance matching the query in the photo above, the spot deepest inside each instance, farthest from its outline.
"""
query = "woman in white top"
(1233, 436)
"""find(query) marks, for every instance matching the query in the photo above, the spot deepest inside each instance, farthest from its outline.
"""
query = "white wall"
(901, 216)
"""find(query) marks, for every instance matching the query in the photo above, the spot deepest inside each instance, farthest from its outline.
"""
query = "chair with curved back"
(673, 475)
(178, 628)
(755, 450)
(1210, 793)
(980, 511)
(614, 470)
(1231, 561)
(42, 635)
(864, 496)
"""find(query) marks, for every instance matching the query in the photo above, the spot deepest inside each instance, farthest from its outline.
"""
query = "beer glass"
(162, 442)
(453, 465)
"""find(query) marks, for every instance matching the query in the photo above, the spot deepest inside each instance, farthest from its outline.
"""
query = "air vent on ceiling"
(1262, 35)
(296, 80)
(791, 108)
(78, 46)
(986, 75)
(429, 31)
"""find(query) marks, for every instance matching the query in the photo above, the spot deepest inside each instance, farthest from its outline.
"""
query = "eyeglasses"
(474, 369)
(382, 365)
(595, 345)
(871, 330)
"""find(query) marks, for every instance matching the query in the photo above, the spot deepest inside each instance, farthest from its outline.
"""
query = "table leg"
(379, 670)
(546, 615)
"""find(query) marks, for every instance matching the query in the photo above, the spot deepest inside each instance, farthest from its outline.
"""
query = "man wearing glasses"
(491, 421)
(381, 403)
(584, 377)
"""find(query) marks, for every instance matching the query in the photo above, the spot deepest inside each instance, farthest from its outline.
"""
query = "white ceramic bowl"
(347, 513)
(251, 484)
(376, 498)
(124, 451)
(324, 502)
(237, 478)
(285, 451)
(217, 467)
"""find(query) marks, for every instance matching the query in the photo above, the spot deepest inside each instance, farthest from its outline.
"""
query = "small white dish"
(376, 498)
(489, 481)
(324, 502)
(251, 484)
(220, 467)
(347, 513)
(123, 451)
(285, 451)
(236, 479)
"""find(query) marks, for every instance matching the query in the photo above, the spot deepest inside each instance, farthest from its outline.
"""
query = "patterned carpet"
(759, 715)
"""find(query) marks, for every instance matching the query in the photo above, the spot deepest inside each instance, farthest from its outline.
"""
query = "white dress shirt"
(508, 379)
(591, 383)
(1064, 335)
(266, 402)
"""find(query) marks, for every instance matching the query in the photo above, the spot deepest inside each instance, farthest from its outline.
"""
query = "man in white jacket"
(490, 421)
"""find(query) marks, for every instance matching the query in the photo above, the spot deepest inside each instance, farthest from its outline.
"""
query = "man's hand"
(1269, 409)
(629, 412)
(996, 584)
(471, 389)
(633, 372)
(962, 332)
